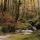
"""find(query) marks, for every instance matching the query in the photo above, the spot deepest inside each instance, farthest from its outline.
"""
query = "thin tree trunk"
(5, 1)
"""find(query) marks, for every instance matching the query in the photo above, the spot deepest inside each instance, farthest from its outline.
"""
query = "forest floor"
(3, 37)
(8, 36)
(21, 36)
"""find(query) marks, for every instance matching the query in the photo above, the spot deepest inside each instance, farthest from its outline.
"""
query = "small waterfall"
(34, 28)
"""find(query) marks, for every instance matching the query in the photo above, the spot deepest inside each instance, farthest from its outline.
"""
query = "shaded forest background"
(18, 14)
